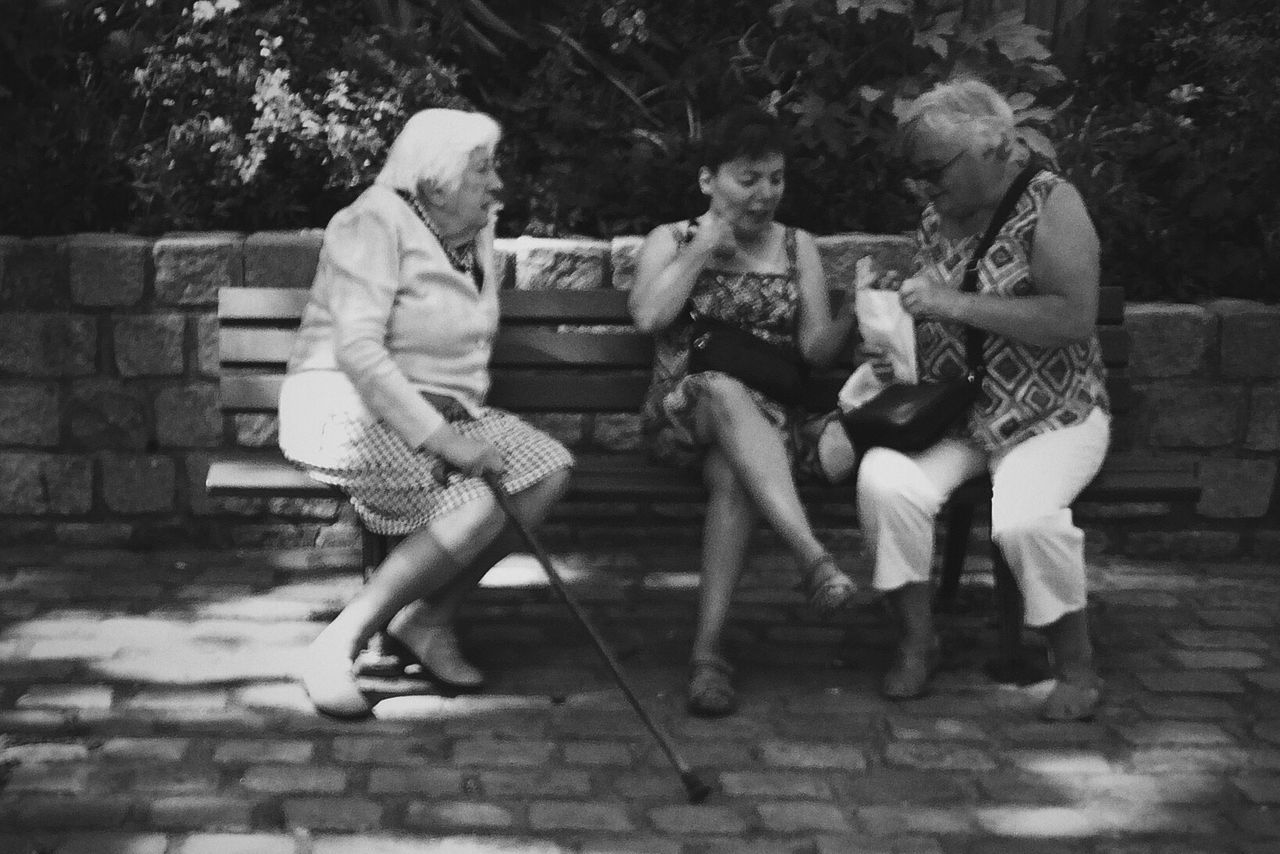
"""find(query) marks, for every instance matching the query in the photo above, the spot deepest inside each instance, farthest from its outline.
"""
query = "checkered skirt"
(397, 490)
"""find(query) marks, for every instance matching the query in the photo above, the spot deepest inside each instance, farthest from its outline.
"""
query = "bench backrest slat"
(258, 305)
(261, 304)
(518, 347)
(557, 351)
(563, 391)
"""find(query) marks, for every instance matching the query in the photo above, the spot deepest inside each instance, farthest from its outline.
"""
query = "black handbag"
(914, 417)
(775, 371)
(911, 417)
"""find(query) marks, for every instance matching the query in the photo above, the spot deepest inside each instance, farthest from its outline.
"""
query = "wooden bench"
(562, 351)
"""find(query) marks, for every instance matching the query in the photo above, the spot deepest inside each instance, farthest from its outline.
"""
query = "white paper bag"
(885, 326)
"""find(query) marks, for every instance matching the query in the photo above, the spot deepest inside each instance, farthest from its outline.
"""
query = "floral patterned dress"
(767, 305)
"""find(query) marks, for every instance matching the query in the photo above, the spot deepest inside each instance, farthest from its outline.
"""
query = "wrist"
(436, 441)
(959, 307)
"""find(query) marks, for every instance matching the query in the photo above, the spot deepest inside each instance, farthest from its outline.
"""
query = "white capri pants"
(1033, 484)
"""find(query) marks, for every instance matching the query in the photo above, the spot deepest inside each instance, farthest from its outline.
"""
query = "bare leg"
(729, 419)
(424, 562)
(417, 565)
(917, 654)
(726, 534)
(426, 625)
(1079, 687)
(730, 519)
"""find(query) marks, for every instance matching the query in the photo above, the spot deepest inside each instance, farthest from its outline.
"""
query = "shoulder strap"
(683, 231)
(998, 219)
(975, 338)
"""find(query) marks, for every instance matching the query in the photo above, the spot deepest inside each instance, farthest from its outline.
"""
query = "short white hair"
(963, 105)
(434, 147)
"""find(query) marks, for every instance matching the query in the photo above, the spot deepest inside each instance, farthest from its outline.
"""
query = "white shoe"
(330, 683)
(436, 648)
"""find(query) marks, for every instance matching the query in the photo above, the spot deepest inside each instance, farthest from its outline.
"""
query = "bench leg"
(954, 547)
(1015, 662)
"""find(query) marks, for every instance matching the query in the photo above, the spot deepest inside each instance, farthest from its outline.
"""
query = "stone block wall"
(109, 396)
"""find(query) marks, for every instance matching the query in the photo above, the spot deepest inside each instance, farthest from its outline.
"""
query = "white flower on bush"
(268, 44)
(1186, 93)
(207, 10)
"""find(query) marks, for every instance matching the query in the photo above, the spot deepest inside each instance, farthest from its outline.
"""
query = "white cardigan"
(388, 313)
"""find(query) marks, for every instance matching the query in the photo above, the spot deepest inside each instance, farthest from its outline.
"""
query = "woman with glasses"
(1041, 425)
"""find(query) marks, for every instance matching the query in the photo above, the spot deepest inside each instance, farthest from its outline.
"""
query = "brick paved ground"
(146, 707)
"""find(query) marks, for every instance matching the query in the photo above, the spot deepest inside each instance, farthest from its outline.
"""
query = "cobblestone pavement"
(146, 707)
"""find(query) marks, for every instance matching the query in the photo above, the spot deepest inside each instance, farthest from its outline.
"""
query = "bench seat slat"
(630, 477)
(260, 476)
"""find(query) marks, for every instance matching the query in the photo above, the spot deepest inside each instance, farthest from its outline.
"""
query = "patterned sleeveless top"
(1028, 389)
(764, 304)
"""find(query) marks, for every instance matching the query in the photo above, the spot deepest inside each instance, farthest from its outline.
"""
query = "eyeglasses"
(933, 174)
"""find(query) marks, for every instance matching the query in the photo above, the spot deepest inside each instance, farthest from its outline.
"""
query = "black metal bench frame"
(564, 351)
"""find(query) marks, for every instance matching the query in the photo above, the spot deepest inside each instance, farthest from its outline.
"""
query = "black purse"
(914, 417)
(773, 370)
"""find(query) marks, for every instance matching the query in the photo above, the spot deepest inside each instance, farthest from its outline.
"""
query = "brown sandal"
(826, 585)
(710, 692)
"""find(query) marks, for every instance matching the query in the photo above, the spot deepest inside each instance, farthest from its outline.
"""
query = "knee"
(536, 501)
(555, 485)
(1024, 529)
(723, 397)
(464, 532)
(887, 478)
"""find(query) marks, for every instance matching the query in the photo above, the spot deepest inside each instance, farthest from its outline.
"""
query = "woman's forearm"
(658, 299)
(1047, 320)
(827, 344)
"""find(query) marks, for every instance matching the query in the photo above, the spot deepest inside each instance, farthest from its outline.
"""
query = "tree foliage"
(1172, 140)
(153, 115)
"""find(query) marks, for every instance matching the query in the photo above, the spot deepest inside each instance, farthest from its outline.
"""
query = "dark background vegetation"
(148, 116)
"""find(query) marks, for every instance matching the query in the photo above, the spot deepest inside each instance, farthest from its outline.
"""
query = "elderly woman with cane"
(1040, 426)
(385, 398)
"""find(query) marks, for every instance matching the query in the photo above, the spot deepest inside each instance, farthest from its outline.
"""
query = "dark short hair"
(743, 132)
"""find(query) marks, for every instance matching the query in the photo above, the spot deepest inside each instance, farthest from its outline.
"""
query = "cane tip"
(697, 789)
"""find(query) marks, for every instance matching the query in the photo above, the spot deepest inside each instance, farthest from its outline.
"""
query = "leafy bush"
(218, 114)
(602, 159)
(162, 116)
(63, 88)
(1172, 139)
(151, 115)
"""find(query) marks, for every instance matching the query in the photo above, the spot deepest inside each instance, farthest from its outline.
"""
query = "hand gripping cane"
(694, 786)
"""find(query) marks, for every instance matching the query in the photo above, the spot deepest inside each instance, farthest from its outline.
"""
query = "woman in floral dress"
(734, 263)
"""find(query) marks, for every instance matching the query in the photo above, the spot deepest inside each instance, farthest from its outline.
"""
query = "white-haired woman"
(384, 398)
(1041, 425)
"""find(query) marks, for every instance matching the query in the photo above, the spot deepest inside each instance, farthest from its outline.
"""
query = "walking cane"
(694, 786)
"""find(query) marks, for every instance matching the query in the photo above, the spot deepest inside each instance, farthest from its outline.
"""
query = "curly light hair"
(965, 106)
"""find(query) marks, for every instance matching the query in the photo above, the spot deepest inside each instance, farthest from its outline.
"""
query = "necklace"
(461, 259)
